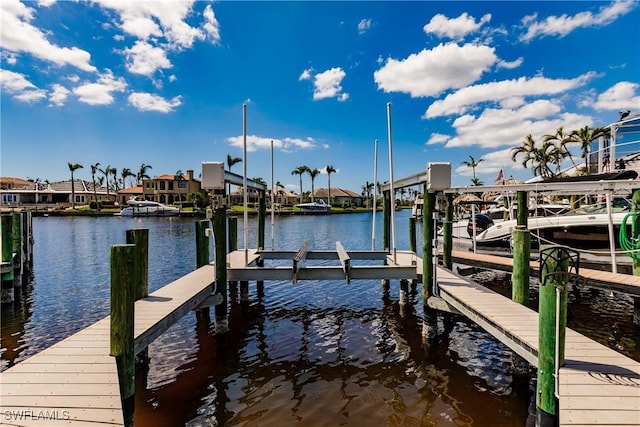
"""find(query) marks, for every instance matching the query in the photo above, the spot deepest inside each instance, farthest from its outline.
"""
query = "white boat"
(583, 230)
(148, 208)
(314, 207)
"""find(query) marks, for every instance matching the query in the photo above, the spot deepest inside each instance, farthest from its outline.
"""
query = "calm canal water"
(312, 354)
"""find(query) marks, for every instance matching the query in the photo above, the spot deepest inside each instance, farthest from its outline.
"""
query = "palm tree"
(178, 176)
(279, 191)
(94, 170)
(73, 167)
(230, 162)
(106, 172)
(562, 139)
(114, 172)
(126, 172)
(313, 173)
(299, 171)
(476, 181)
(142, 173)
(472, 164)
(330, 169)
(585, 136)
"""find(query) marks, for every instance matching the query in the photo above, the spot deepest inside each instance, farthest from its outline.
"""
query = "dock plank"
(592, 371)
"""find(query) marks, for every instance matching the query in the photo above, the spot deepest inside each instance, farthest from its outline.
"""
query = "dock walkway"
(595, 278)
(597, 385)
(75, 382)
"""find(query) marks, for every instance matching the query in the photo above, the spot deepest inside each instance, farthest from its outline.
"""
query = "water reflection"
(314, 353)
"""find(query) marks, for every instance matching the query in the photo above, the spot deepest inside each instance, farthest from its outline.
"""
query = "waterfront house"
(339, 197)
(130, 193)
(168, 189)
(52, 195)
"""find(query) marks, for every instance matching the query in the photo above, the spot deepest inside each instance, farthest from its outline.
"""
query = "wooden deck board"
(591, 372)
(79, 376)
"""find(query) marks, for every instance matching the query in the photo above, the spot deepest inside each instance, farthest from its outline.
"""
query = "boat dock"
(75, 382)
(599, 279)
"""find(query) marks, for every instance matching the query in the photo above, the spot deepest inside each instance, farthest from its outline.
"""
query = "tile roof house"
(55, 194)
(339, 196)
(167, 189)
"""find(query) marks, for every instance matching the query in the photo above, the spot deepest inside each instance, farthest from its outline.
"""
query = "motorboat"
(314, 207)
(584, 230)
(148, 208)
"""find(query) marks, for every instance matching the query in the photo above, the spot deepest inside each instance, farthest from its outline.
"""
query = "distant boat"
(148, 208)
(314, 207)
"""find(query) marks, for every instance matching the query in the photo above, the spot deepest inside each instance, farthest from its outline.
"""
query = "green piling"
(123, 281)
(6, 224)
(140, 238)
(429, 319)
(219, 232)
(552, 260)
(635, 232)
(521, 253)
(17, 247)
(202, 243)
(413, 244)
(447, 234)
(386, 220)
(262, 214)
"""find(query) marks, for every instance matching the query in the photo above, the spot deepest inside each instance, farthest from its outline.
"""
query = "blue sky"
(163, 83)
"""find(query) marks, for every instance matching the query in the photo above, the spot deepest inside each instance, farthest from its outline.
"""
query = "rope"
(629, 244)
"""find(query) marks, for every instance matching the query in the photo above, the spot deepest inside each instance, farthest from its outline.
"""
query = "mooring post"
(124, 270)
(521, 253)
(413, 244)
(140, 238)
(635, 232)
(262, 215)
(202, 243)
(232, 224)
(386, 229)
(8, 295)
(17, 248)
(429, 319)
(554, 267)
(447, 234)
(220, 234)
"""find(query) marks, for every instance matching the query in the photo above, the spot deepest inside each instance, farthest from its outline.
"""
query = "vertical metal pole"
(473, 227)
(244, 184)
(375, 194)
(392, 190)
(273, 213)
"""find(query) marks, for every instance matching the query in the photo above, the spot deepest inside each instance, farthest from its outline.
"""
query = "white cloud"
(438, 138)
(145, 59)
(619, 96)
(14, 82)
(211, 26)
(565, 24)
(458, 102)
(150, 102)
(454, 28)
(430, 72)
(58, 95)
(31, 96)
(327, 84)
(306, 74)
(510, 65)
(288, 144)
(364, 25)
(100, 93)
(18, 35)
(159, 18)
(498, 127)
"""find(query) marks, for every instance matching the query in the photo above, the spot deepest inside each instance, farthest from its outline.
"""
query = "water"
(315, 353)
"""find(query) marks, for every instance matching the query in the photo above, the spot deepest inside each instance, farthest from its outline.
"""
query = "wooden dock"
(75, 382)
(606, 280)
(597, 385)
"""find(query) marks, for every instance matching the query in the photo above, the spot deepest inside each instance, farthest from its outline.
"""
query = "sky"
(164, 82)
